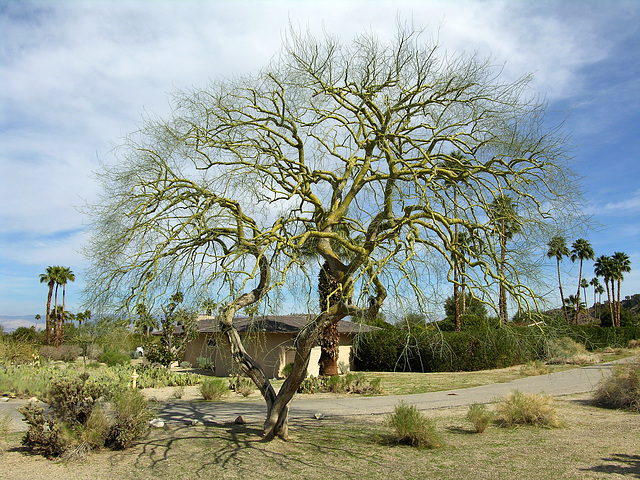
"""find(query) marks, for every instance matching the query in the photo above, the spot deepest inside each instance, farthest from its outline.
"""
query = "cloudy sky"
(76, 76)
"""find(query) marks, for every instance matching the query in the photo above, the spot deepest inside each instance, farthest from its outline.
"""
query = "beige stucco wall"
(272, 350)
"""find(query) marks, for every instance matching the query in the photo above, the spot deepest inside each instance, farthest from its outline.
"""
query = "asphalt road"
(568, 382)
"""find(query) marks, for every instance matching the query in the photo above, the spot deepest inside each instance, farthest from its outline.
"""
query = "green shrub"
(205, 363)
(311, 384)
(480, 416)
(185, 364)
(528, 409)
(622, 389)
(112, 358)
(412, 428)
(214, 389)
(131, 417)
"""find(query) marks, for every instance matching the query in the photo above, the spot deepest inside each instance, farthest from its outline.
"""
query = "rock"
(318, 416)
(157, 423)
(196, 423)
(240, 420)
(33, 400)
(4, 399)
(153, 399)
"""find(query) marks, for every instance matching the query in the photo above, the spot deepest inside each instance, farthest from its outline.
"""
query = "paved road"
(568, 382)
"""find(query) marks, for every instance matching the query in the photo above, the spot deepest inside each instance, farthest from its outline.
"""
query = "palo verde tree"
(224, 194)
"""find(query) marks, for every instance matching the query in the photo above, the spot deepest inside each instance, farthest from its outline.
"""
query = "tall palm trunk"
(611, 309)
(48, 314)
(64, 312)
(56, 321)
(564, 306)
(619, 305)
(578, 294)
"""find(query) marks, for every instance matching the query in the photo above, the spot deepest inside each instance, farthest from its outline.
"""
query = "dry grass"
(536, 409)
(621, 389)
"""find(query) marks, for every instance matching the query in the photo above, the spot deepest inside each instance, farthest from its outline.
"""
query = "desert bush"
(64, 353)
(622, 389)
(185, 364)
(413, 428)
(72, 399)
(534, 368)
(112, 358)
(566, 350)
(44, 436)
(131, 417)
(343, 368)
(93, 351)
(528, 409)
(214, 389)
(311, 384)
(15, 351)
(480, 416)
(178, 392)
(242, 385)
(634, 344)
(205, 363)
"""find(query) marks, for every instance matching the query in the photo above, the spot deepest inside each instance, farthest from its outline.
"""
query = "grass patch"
(213, 389)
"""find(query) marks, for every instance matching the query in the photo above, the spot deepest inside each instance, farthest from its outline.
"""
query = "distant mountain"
(11, 322)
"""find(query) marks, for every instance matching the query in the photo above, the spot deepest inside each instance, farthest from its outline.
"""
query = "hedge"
(421, 350)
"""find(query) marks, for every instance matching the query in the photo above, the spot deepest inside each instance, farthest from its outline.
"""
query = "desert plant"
(185, 364)
(72, 399)
(566, 350)
(621, 389)
(480, 416)
(112, 358)
(45, 436)
(131, 417)
(413, 428)
(343, 368)
(214, 389)
(205, 363)
(64, 353)
(178, 392)
(534, 368)
(519, 408)
(634, 343)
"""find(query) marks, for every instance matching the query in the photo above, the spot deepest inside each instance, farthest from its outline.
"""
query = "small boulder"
(240, 420)
(195, 423)
(318, 416)
(157, 423)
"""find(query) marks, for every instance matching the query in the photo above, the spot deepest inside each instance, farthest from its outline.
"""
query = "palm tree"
(49, 279)
(574, 303)
(600, 291)
(595, 283)
(208, 304)
(584, 284)
(558, 249)
(580, 250)
(621, 265)
(503, 215)
(603, 267)
(66, 275)
(457, 165)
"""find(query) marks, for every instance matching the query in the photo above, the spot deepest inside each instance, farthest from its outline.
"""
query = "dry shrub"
(634, 343)
(480, 416)
(622, 389)
(64, 353)
(534, 368)
(131, 417)
(214, 389)
(567, 351)
(412, 428)
(519, 408)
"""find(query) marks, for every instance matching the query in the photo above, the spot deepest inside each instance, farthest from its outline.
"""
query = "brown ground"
(595, 444)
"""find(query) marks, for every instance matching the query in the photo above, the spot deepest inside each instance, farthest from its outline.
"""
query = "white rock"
(318, 416)
(156, 422)
(196, 422)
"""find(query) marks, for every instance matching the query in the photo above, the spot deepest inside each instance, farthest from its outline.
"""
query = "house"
(268, 339)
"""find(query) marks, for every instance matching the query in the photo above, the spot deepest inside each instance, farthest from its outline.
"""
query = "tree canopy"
(330, 145)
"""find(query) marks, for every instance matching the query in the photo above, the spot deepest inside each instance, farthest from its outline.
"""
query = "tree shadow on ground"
(620, 464)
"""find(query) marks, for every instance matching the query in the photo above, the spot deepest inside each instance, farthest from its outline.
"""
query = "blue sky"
(75, 77)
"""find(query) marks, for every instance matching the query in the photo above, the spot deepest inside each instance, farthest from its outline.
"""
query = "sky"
(77, 76)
